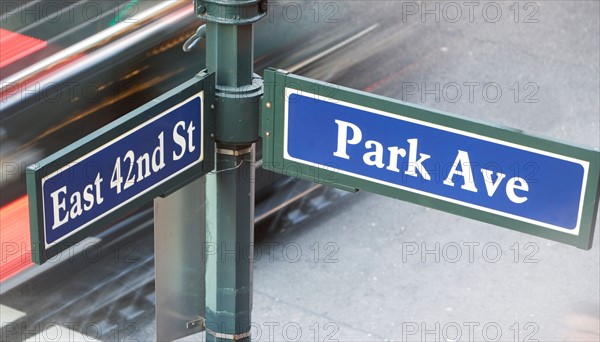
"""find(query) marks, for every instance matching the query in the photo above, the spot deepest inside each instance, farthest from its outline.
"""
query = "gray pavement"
(374, 268)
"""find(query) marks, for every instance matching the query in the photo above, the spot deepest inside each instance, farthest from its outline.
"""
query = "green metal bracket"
(238, 111)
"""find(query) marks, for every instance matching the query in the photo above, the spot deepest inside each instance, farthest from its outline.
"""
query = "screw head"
(268, 104)
(267, 134)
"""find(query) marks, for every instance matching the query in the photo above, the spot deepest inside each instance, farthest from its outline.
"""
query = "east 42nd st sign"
(149, 152)
(355, 140)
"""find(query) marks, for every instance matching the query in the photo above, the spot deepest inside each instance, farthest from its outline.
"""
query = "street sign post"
(355, 140)
(147, 153)
(230, 189)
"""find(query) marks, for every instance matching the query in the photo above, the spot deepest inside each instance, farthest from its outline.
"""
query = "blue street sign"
(145, 154)
(122, 170)
(456, 166)
(493, 174)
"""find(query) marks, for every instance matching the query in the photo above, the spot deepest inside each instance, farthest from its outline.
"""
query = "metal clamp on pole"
(238, 110)
(235, 153)
(233, 12)
(231, 337)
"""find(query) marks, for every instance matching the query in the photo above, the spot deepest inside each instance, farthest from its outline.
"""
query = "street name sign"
(150, 152)
(355, 140)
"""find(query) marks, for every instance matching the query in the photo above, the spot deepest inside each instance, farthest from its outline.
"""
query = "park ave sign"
(374, 154)
(354, 140)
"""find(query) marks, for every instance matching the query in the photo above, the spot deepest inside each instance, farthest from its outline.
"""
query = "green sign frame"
(201, 83)
(273, 130)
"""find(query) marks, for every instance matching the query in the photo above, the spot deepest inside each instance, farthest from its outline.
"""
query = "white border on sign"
(584, 164)
(200, 159)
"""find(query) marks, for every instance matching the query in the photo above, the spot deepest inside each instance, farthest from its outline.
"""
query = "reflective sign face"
(122, 170)
(459, 167)
(146, 153)
(351, 139)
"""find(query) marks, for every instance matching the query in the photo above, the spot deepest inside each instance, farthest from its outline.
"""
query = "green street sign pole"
(230, 188)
